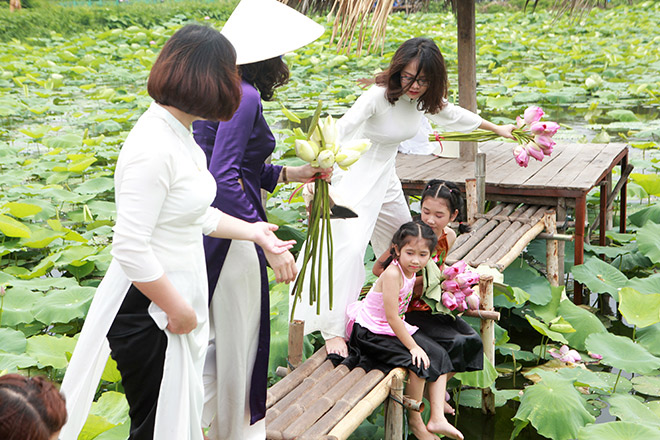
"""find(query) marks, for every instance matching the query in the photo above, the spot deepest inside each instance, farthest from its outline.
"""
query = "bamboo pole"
(344, 405)
(488, 338)
(509, 239)
(471, 199)
(366, 406)
(552, 251)
(291, 398)
(296, 336)
(291, 381)
(314, 412)
(495, 235)
(474, 227)
(394, 411)
(517, 249)
(483, 314)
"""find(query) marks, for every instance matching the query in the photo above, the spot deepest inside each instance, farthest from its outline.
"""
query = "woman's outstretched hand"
(283, 265)
(263, 235)
(504, 130)
(305, 172)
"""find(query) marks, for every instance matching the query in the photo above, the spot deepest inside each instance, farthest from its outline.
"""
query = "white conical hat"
(263, 29)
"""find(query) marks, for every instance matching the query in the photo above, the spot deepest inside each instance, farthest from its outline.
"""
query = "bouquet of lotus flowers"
(451, 289)
(534, 136)
(321, 148)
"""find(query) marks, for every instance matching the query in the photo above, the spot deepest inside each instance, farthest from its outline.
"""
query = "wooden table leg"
(602, 239)
(623, 198)
(580, 218)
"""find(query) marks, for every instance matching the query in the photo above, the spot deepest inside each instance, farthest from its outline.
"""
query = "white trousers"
(235, 318)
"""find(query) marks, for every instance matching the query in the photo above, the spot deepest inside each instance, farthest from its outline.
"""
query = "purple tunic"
(237, 149)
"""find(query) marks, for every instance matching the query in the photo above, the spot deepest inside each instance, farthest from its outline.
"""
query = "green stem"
(323, 192)
(634, 332)
(616, 382)
(330, 252)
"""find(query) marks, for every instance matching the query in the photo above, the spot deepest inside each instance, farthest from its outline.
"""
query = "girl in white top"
(152, 303)
(390, 112)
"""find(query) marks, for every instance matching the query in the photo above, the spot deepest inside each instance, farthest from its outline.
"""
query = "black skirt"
(372, 351)
(462, 343)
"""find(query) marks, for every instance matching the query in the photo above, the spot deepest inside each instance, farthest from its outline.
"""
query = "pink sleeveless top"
(370, 312)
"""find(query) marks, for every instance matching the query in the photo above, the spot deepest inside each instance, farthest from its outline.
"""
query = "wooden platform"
(562, 181)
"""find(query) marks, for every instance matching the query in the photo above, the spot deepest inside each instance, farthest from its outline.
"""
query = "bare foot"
(418, 428)
(336, 345)
(443, 427)
(449, 409)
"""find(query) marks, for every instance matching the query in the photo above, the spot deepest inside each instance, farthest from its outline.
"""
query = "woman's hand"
(305, 172)
(284, 266)
(504, 130)
(263, 235)
(419, 357)
(182, 320)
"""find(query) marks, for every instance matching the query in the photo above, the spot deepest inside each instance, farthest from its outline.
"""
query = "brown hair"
(31, 408)
(266, 75)
(430, 63)
(196, 73)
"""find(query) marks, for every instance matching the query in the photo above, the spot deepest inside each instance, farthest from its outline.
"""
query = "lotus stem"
(616, 381)
(322, 187)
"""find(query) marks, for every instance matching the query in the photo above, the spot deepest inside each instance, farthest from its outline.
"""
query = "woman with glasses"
(390, 112)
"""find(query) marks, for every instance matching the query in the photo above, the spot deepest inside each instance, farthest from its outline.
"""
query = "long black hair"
(442, 189)
(407, 233)
(266, 75)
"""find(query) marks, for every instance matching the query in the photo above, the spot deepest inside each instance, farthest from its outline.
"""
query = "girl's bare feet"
(443, 427)
(449, 409)
(336, 345)
(418, 428)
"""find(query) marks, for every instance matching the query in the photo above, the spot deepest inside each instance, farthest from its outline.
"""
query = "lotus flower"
(359, 145)
(329, 131)
(467, 278)
(307, 150)
(473, 302)
(519, 122)
(456, 268)
(449, 301)
(450, 285)
(595, 356)
(546, 143)
(520, 153)
(325, 159)
(534, 150)
(566, 354)
(467, 290)
(345, 158)
(547, 128)
(532, 114)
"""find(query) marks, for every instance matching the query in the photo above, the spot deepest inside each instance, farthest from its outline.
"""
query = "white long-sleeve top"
(163, 193)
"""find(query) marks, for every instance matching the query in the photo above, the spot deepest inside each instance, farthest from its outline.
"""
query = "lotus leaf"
(93, 427)
(66, 141)
(21, 210)
(50, 351)
(17, 306)
(649, 385)
(621, 352)
(13, 361)
(648, 239)
(13, 341)
(600, 277)
(650, 213)
(63, 305)
(584, 322)
(13, 228)
(649, 337)
(472, 397)
(528, 280)
(545, 330)
(650, 182)
(112, 406)
(629, 408)
(548, 312)
(480, 379)
(110, 372)
(96, 186)
(639, 309)
(618, 431)
(40, 237)
(554, 407)
(585, 378)
(120, 432)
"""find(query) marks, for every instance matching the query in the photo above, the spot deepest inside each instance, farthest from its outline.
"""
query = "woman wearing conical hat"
(236, 370)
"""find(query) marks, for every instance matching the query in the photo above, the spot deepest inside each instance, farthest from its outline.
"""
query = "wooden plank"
(566, 177)
(292, 380)
(604, 161)
(563, 155)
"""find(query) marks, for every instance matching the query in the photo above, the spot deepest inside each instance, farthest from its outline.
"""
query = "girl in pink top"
(380, 337)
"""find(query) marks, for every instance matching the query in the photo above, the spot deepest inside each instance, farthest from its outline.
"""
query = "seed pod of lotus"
(306, 150)
(326, 159)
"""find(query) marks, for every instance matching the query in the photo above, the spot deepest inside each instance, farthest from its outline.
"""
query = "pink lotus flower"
(521, 156)
(473, 302)
(467, 278)
(448, 300)
(453, 270)
(467, 291)
(450, 285)
(460, 296)
(532, 114)
(548, 128)
(566, 354)
(595, 356)
(535, 151)
(462, 306)
(519, 122)
(546, 143)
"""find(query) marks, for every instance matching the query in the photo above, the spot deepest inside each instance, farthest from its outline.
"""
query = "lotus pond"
(68, 103)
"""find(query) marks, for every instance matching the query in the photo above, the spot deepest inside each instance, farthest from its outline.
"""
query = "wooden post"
(394, 411)
(296, 336)
(604, 191)
(610, 213)
(488, 338)
(551, 251)
(480, 175)
(467, 67)
(471, 200)
(580, 218)
(561, 246)
(623, 199)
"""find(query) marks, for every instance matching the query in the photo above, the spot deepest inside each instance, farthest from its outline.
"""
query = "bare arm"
(502, 130)
(261, 233)
(181, 317)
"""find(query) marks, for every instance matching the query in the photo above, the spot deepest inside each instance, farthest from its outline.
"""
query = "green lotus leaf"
(63, 305)
(600, 277)
(618, 431)
(40, 237)
(639, 309)
(20, 210)
(649, 385)
(548, 312)
(96, 186)
(17, 306)
(650, 213)
(631, 409)
(621, 352)
(584, 377)
(66, 141)
(94, 427)
(584, 322)
(13, 361)
(622, 115)
(62, 195)
(650, 182)
(120, 432)
(76, 255)
(545, 330)
(649, 284)
(35, 131)
(648, 240)
(50, 351)
(110, 372)
(13, 228)
(13, 341)
(472, 397)
(514, 350)
(529, 280)
(479, 379)
(654, 406)
(554, 407)
(112, 406)
(649, 337)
